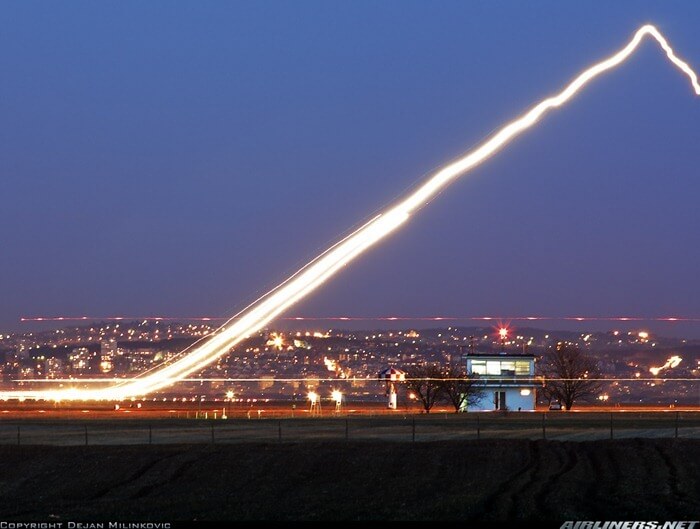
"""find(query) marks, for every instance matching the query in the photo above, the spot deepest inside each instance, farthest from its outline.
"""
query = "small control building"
(507, 380)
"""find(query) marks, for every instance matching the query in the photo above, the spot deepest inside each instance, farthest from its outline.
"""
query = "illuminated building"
(507, 380)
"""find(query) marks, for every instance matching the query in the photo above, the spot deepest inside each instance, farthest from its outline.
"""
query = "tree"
(426, 382)
(567, 372)
(460, 388)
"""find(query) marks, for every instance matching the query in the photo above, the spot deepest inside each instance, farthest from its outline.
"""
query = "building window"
(500, 367)
(522, 367)
(493, 367)
(478, 367)
(507, 367)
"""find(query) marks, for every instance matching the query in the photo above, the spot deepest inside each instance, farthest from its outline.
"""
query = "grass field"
(560, 426)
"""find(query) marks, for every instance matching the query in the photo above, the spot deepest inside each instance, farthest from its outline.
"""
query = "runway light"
(311, 276)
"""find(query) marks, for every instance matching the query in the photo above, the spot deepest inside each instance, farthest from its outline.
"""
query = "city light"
(276, 341)
(670, 364)
(313, 397)
(330, 364)
(311, 276)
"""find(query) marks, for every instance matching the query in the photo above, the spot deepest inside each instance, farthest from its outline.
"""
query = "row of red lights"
(375, 318)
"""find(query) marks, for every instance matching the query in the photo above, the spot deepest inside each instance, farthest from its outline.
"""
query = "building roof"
(392, 374)
(500, 354)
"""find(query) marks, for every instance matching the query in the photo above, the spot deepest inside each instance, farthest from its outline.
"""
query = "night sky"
(180, 159)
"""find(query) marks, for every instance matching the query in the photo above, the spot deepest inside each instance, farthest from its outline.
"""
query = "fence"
(407, 428)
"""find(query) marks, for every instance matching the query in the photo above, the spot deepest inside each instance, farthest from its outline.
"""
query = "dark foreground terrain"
(627, 479)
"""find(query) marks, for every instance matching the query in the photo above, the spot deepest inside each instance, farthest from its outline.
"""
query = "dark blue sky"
(181, 158)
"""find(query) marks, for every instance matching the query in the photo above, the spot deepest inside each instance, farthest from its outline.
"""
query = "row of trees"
(432, 383)
(567, 375)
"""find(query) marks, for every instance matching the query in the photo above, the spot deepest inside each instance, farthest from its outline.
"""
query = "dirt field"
(627, 479)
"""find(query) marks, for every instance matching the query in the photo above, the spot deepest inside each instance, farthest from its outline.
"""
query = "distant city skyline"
(144, 173)
(635, 367)
(662, 328)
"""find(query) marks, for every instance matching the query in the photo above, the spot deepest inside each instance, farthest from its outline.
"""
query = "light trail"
(671, 319)
(339, 380)
(312, 276)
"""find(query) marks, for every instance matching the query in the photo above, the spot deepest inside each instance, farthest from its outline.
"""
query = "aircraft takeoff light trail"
(323, 267)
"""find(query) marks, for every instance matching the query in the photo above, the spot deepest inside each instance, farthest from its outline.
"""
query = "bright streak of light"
(335, 380)
(670, 364)
(310, 277)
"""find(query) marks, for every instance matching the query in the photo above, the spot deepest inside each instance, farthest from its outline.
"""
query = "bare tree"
(567, 372)
(426, 382)
(460, 388)
(546, 391)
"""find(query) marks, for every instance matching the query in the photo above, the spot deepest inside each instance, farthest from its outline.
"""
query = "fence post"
(677, 425)
(86, 436)
(18, 435)
(544, 425)
(413, 430)
(279, 431)
(347, 430)
(478, 428)
(611, 425)
(212, 433)
(150, 434)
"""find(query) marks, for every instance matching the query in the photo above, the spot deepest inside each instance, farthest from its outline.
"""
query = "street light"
(337, 396)
(229, 397)
(315, 403)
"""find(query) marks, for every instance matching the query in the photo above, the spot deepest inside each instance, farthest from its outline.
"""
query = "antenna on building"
(503, 333)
